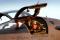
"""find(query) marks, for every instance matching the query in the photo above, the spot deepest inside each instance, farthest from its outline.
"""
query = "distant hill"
(52, 21)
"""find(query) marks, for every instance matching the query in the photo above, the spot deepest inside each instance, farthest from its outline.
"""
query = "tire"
(42, 21)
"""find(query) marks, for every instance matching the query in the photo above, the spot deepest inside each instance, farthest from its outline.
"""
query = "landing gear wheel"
(41, 25)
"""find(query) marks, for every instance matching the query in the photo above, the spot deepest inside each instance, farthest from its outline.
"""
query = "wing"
(30, 7)
(7, 12)
(37, 6)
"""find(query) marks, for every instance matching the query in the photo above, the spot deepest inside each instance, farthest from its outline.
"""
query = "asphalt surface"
(53, 34)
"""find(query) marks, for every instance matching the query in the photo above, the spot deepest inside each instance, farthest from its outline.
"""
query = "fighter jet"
(33, 22)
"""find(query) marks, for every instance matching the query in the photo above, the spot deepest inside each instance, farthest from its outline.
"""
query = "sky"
(52, 9)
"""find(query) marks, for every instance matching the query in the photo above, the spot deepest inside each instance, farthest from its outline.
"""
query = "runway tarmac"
(53, 34)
